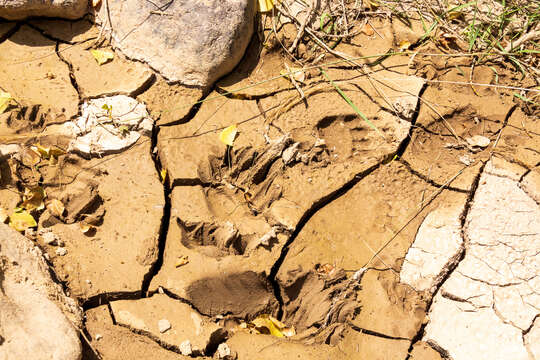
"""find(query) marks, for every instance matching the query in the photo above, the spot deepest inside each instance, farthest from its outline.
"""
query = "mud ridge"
(165, 219)
(453, 266)
(321, 203)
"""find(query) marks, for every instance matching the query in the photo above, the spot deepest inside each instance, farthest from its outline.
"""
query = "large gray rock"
(193, 42)
(21, 9)
(35, 313)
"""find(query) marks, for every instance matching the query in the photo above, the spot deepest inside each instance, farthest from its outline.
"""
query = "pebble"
(185, 348)
(163, 325)
(223, 351)
(99, 336)
(61, 251)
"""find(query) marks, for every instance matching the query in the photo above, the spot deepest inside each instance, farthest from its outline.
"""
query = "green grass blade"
(351, 104)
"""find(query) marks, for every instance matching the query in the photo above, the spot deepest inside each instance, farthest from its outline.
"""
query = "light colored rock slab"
(118, 76)
(30, 82)
(144, 315)
(436, 249)
(491, 297)
(194, 50)
(37, 318)
(21, 9)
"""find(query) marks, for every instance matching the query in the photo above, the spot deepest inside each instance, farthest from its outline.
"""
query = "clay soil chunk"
(37, 321)
(115, 342)
(121, 252)
(69, 31)
(33, 74)
(186, 324)
(118, 76)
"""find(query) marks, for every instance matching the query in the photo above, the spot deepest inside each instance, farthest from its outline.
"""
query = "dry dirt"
(308, 217)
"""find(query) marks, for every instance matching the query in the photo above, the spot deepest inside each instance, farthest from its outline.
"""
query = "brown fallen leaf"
(367, 29)
(56, 207)
(182, 260)
(33, 198)
(85, 228)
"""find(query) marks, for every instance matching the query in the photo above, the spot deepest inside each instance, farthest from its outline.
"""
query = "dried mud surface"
(367, 243)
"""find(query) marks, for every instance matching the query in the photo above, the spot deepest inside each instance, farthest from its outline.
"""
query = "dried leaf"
(163, 175)
(182, 260)
(46, 152)
(266, 5)
(367, 29)
(21, 220)
(228, 135)
(85, 227)
(269, 324)
(5, 99)
(3, 215)
(102, 56)
(297, 74)
(404, 45)
(33, 198)
(56, 207)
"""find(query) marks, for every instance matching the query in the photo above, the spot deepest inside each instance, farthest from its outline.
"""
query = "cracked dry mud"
(290, 220)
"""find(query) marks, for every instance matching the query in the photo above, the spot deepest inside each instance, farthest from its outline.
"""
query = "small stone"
(320, 143)
(305, 158)
(50, 238)
(478, 142)
(223, 351)
(30, 233)
(269, 236)
(163, 325)
(61, 251)
(185, 348)
(99, 336)
(466, 160)
(289, 154)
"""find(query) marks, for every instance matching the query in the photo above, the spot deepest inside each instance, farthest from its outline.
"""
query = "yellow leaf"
(21, 220)
(228, 135)
(182, 260)
(56, 207)
(43, 152)
(46, 152)
(33, 198)
(269, 324)
(5, 99)
(102, 56)
(96, 3)
(123, 130)
(404, 45)
(163, 174)
(265, 5)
